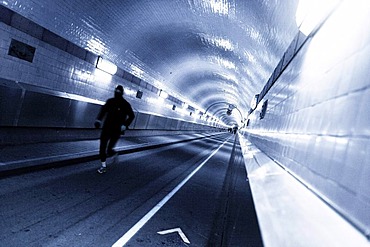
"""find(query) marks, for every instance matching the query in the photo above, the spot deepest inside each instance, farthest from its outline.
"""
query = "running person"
(116, 113)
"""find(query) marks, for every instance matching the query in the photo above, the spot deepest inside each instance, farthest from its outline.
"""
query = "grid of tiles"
(318, 121)
(58, 70)
(36, 31)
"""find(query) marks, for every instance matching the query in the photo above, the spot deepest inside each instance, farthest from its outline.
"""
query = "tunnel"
(251, 127)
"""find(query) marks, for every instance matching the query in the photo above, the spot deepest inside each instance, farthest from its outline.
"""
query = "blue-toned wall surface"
(317, 124)
(61, 87)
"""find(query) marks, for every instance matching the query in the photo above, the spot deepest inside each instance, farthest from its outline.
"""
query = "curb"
(26, 166)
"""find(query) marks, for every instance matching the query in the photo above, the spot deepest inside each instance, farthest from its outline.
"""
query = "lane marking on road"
(130, 233)
(179, 231)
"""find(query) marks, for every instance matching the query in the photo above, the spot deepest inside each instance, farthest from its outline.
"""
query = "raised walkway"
(289, 213)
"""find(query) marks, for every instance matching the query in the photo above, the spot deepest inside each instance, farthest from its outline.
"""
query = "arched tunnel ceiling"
(203, 51)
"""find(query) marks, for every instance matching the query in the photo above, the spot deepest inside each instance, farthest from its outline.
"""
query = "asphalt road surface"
(188, 194)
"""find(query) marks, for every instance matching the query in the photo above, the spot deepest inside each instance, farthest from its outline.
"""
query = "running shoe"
(102, 170)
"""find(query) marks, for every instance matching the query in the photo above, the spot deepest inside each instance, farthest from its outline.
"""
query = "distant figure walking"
(116, 115)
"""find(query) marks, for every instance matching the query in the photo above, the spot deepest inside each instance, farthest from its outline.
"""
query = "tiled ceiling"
(204, 51)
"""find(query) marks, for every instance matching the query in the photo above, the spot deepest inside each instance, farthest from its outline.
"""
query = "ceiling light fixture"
(106, 66)
(163, 94)
(310, 13)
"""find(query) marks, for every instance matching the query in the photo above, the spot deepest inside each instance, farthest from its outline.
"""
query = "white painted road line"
(130, 233)
(179, 231)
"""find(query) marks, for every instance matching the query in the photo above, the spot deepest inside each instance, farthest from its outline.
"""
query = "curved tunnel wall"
(317, 121)
(57, 86)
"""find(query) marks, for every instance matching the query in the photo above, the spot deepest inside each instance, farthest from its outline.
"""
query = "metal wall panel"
(142, 120)
(174, 124)
(82, 114)
(43, 110)
(10, 100)
(155, 122)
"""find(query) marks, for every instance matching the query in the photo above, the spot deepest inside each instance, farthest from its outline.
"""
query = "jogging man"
(115, 114)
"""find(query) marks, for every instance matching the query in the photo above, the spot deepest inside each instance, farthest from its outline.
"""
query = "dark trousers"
(107, 139)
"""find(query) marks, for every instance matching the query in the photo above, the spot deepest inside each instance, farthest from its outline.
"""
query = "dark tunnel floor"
(75, 206)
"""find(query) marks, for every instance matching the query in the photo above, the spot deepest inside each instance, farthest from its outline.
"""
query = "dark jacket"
(117, 112)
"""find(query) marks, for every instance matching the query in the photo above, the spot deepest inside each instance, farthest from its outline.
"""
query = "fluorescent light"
(163, 94)
(254, 101)
(310, 13)
(102, 76)
(106, 66)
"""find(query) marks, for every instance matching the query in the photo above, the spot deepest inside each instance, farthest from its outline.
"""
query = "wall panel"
(43, 110)
(318, 117)
(10, 101)
(82, 114)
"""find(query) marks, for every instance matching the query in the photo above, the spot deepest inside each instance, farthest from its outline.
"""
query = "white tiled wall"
(51, 67)
(60, 71)
(318, 118)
